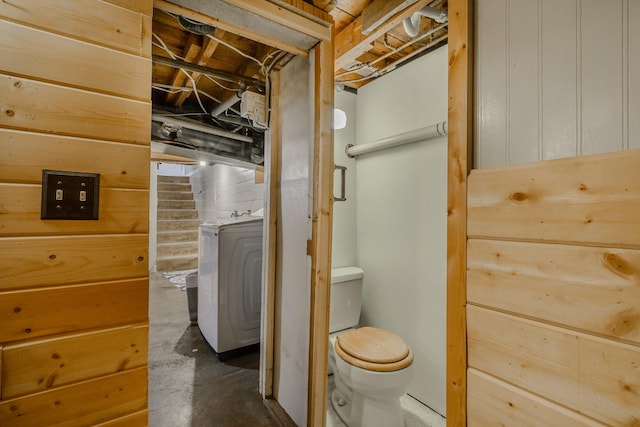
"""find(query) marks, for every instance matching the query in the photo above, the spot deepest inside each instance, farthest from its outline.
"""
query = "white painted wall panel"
(523, 99)
(401, 217)
(559, 79)
(601, 69)
(633, 52)
(492, 84)
(556, 79)
(344, 248)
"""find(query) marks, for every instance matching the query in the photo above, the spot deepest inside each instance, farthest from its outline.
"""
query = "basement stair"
(177, 244)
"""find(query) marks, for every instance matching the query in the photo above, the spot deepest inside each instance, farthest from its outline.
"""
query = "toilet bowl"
(372, 367)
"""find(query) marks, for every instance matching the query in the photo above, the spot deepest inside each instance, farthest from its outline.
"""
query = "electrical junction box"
(253, 107)
(70, 195)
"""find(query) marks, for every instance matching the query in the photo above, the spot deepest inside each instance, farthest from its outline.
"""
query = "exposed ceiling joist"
(379, 11)
(235, 29)
(351, 42)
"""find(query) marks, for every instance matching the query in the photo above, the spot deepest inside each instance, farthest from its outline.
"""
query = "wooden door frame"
(314, 23)
(460, 161)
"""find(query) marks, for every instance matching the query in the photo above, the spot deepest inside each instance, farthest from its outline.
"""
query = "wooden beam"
(286, 17)
(321, 229)
(191, 49)
(379, 11)
(270, 251)
(235, 29)
(350, 43)
(460, 120)
(208, 47)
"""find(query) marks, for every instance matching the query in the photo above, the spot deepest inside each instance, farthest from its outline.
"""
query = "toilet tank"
(346, 298)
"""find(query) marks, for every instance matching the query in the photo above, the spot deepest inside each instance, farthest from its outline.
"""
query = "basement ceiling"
(200, 67)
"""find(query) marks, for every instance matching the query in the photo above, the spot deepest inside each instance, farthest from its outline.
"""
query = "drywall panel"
(401, 217)
(344, 244)
(72, 358)
(601, 76)
(594, 376)
(492, 83)
(291, 352)
(25, 154)
(559, 115)
(588, 288)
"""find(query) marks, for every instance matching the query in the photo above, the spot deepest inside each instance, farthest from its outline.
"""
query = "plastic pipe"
(412, 24)
(422, 134)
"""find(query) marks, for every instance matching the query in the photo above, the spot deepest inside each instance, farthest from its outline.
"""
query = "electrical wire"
(235, 49)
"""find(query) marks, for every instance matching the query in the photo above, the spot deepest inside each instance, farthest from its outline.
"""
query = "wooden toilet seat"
(374, 349)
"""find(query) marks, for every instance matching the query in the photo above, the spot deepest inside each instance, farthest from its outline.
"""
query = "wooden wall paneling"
(585, 288)
(72, 112)
(594, 376)
(72, 62)
(492, 83)
(321, 233)
(633, 87)
(121, 211)
(86, 403)
(145, 7)
(28, 314)
(139, 418)
(601, 77)
(559, 118)
(93, 21)
(493, 402)
(460, 159)
(33, 366)
(523, 100)
(590, 199)
(49, 261)
(25, 154)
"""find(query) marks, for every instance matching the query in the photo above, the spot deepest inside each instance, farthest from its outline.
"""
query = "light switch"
(70, 195)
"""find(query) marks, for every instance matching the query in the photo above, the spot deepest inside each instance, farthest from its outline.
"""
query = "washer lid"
(373, 345)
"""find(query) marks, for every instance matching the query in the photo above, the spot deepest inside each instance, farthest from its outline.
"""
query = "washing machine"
(230, 282)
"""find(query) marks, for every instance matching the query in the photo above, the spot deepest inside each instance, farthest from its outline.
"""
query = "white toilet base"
(373, 412)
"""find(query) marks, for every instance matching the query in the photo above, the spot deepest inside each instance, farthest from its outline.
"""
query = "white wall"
(556, 79)
(401, 217)
(220, 189)
(344, 249)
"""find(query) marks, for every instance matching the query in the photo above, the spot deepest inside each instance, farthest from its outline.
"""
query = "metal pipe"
(216, 74)
(422, 134)
(201, 128)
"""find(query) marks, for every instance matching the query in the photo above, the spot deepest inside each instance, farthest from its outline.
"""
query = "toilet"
(372, 367)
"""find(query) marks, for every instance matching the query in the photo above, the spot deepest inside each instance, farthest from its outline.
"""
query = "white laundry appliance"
(230, 282)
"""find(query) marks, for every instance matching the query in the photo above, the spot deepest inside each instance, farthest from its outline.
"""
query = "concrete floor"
(188, 385)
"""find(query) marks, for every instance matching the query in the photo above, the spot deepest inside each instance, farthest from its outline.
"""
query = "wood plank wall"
(75, 80)
(553, 286)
